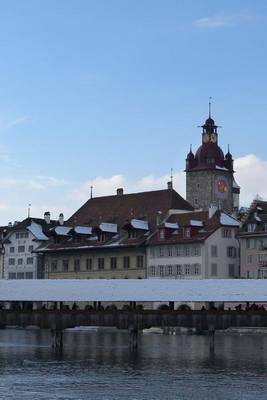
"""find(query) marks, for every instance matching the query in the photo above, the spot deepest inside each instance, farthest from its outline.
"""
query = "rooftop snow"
(37, 231)
(221, 168)
(228, 220)
(83, 230)
(139, 224)
(235, 185)
(107, 227)
(182, 290)
(62, 230)
(194, 222)
(171, 225)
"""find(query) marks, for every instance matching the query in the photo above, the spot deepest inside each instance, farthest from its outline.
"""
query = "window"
(140, 261)
(65, 265)
(196, 251)
(26, 235)
(29, 260)
(169, 269)
(126, 262)
(113, 263)
(249, 259)
(231, 251)
(132, 234)
(17, 237)
(178, 251)
(11, 261)
(196, 201)
(30, 249)
(197, 269)
(76, 265)
(161, 270)
(214, 252)
(226, 233)
(231, 270)
(170, 251)
(89, 264)
(29, 275)
(187, 251)
(187, 232)
(53, 265)
(187, 269)
(102, 237)
(11, 275)
(161, 251)
(11, 249)
(265, 227)
(101, 263)
(178, 269)
(20, 261)
(152, 252)
(21, 249)
(248, 243)
(213, 269)
(251, 227)
(20, 275)
(153, 270)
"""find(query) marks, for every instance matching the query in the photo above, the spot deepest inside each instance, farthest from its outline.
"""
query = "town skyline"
(111, 95)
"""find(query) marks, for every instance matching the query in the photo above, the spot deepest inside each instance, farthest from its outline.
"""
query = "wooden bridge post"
(212, 339)
(133, 331)
(56, 339)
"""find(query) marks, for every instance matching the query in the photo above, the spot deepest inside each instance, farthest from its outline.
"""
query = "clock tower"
(210, 174)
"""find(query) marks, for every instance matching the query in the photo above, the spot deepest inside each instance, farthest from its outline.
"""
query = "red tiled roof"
(117, 209)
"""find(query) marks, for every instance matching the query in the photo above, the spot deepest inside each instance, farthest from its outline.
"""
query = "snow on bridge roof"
(185, 290)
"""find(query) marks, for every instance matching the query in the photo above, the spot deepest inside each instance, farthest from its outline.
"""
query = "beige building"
(195, 245)
(253, 241)
(106, 237)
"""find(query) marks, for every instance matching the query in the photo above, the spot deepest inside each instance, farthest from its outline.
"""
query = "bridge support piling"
(133, 331)
(212, 340)
(56, 339)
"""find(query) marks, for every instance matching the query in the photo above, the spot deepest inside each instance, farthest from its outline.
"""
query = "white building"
(19, 259)
(195, 245)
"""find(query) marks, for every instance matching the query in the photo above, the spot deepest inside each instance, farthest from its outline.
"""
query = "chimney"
(119, 191)
(47, 217)
(61, 219)
(212, 210)
(10, 224)
(158, 218)
(169, 185)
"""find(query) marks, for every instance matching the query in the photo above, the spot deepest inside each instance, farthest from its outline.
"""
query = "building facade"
(106, 237)
(23, 238)
(253, 241)
(210, 174)
(195, 245)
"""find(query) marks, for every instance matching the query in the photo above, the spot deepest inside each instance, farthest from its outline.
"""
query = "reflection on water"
(100, 366)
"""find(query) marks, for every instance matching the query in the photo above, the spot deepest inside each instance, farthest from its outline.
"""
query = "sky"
(111, 93)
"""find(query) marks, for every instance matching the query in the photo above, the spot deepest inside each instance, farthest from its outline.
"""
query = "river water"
(100, 366)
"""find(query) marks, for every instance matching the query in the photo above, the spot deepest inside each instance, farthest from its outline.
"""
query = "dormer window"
(102, 237)
(251, 227)
(132, 234)
(162, 234)
(187, 232)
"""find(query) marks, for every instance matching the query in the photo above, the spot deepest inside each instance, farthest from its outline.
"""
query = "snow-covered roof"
(258, 218)
(221, 168)
(107, 227)
(235, 184)
(139, 224)
(228, 220)
(37, 231)
(194, 222)
(171, 225)
(62, 230)
(182, 290)
(83, 230)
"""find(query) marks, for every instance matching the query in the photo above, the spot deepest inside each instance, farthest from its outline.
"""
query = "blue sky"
(112, 92)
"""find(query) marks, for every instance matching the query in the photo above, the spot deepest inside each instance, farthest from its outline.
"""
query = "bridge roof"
(150, 290)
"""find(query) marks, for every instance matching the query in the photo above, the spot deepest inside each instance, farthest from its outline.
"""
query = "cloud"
(219, 21)
(57, 195)
(6, 125)
(251, 173)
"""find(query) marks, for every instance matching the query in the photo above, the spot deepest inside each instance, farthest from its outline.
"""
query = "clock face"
(213, 138)
(221, 187)
(205, 138)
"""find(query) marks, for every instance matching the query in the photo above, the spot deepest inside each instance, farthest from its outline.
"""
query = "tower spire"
(210, 106)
